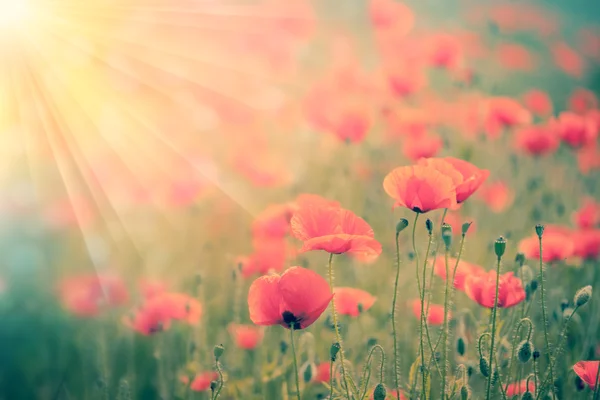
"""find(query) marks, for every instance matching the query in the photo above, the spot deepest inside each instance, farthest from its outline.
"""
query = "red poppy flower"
(538, 102)
(87, 295)
(390, 14)
(482, 289)
(351, 125)
(151, 287)
(295, 298)
(273, 222)
(351, 301)
(503, 113)
(246, 337)
(202, 381)
(567, 59)
(587, 243)
(588, 159)
(498, 196)
(444, 51)
(335, 230)
(521, 387)
(582, 100)
(575, 130)
(420, 188)
(323, 374)
(587, 371)
(435, 315)
(423, 146)
(588, 216)
(306, 199)
(405, 81)
(463, 270)
(269, 255)
(536, 140)
(557, 245)
(472, 177)
(515, 57)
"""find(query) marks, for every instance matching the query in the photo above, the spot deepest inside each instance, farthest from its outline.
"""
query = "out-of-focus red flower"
(516, 57)
(444, 51)
(536, 140)
(246, 337)
(423, 146)
(391, 15)
(587, 371)
(557, 244)
(504, 113)
(151, 287)
(420, 188)
(521, 387)
(463, 270)
(498, 196)
(273, 222)
(269, 255)
(589, 43)
(306, 199)
(588, 216)
(351, 125)
(405, 81)
(323, 374)
(582, 100)
(435, 316)
(575, 130)
(69, 212)
(335, 230)
(538, 102)
(296, 298)
(567, 59)
(352, 301)
(586, 243)
(588, 158)
(87, 295)
(481, 288)
(202, 381)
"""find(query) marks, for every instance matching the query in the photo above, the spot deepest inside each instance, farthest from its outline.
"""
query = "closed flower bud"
(460, 346)
(447, 235)
(484, 367)
(333, 351)
(465, 227)
(500, 246)
(564, 304)
(429, 226)
(379, 393)
(539, 230)
(401, 225)
(218, 351)
(520, 259)
(536, 354)
(525, 351)
(495, 376)
(583, 295)
(579, 384)
(464, 393)
(213, 385)
(533, 285)
(371, 342)
(527, 396)
(308, 371)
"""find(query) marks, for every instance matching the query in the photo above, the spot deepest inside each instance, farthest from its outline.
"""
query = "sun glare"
(13, 12)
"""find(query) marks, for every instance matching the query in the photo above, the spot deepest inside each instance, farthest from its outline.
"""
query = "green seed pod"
(583, 295)
(447, 235)
(520, 259)
(379, 393)
(539, 230)
(500, 246)
(464, 393)
(213, 385)
(465, 227)
(401, 225)
(484, 367)
(218, 351)
(429, 226)
(460, 346)
(525, 351)
(333, 351)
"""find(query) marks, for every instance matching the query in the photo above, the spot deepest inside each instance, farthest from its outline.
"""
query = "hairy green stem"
(220, 372)
(494, 311)
(544, 317)
(445, 329)
(396, 366)
(296, 378)
(424, 322)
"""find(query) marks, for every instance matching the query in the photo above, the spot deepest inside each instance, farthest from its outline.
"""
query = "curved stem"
(544, 317)
(396, 367)
(218, 367)
(338, 337)
(494, 311)
(367, 367)
(514, 345)
(296, 378)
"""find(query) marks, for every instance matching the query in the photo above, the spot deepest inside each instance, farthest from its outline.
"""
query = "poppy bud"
(470, 370)
(411, 255)
(539, 230)
(583, 295)
(484, 367)
(218, 351)
(536, 354)
(333, 351)
(213, 385)
(401, 225)
(460, 346)
(308, 372)
(429, 226)
(464, 393)
(500, 246)
(371, 342)
(379, 393)
(579, 384)
(527, 396)
(520, 259)
(360, 308)
(283, 346)
(534, 286)
(465, 227)
(564, 304)
(495, 376)
(524, 351)
(447, 235)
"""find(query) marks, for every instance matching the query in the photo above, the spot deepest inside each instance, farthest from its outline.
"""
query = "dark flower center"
(417, 210)
(291, 320)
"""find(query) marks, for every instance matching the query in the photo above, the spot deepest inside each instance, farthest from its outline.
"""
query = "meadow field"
(299, 199)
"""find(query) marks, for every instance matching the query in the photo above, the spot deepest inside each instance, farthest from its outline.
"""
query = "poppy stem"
(297, 379)
(544, 317)
(220, 372)
(424, 326)
(396, 366)
(493, 335)
(597, 384)
(338, 337)
(446, 327)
